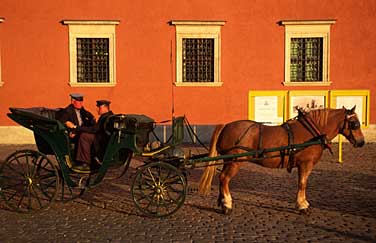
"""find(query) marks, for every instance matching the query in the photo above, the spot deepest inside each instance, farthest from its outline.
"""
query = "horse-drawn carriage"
(32, 179)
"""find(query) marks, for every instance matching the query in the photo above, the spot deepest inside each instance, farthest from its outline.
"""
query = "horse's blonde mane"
(320, 116)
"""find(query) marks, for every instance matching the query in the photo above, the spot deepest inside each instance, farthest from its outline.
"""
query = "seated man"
(93, 137)
(75, 114)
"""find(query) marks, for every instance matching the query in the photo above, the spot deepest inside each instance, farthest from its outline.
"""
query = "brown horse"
(242, 136)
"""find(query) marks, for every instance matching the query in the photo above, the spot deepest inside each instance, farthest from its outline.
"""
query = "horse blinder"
(352, 125)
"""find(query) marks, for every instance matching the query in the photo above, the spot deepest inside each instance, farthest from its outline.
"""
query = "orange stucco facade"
(34, 51)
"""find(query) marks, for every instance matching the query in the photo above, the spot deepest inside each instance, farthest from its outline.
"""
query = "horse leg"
(220, 194)
(304, 170)
(224, 198)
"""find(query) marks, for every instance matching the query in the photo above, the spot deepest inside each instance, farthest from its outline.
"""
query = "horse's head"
(351, 128)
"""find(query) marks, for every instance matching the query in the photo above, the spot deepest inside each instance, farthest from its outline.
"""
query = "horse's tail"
(207, 177)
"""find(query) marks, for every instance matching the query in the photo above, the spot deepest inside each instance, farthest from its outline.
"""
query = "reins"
(310, 125)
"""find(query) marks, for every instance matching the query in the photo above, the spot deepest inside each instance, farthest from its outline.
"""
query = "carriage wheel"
(28, 181)
(158, 189)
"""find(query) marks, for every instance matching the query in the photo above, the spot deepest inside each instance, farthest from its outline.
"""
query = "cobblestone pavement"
(343, 199)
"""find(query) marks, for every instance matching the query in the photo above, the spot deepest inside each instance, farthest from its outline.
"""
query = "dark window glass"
(93, 60)
(198, 60)
(306, 59)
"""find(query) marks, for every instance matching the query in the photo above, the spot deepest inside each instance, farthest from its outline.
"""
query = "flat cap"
(77, 96)
(103, 102)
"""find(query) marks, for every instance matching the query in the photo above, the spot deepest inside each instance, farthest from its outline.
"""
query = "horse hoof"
(226, 211)
(304, 211)
(219, 203)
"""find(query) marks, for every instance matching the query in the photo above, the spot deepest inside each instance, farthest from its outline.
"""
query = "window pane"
(93, 60)
(306, 59)
(198, 60)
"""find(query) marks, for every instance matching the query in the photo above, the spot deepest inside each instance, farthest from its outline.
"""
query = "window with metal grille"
(198, 59)
(306, 59)
(93, 60)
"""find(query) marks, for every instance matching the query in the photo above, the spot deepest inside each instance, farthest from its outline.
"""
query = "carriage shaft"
(292, 147)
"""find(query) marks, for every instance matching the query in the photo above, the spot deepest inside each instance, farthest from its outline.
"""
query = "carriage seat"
(130, 123)
(137, 125)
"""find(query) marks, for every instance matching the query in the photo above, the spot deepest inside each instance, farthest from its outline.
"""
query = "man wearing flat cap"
(94, 138)
(75, 115)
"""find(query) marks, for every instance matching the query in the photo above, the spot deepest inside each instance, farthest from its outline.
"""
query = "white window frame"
(308, 29)
(1, 81)
(198, 29)
(91, 29)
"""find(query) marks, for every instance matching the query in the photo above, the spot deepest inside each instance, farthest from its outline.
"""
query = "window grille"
(198, 59)
(93, 60)
(306, 59)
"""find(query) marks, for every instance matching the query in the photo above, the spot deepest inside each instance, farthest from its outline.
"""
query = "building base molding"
(16, 135)
(21, 135)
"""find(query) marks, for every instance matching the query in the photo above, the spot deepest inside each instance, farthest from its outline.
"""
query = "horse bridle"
(351, 124)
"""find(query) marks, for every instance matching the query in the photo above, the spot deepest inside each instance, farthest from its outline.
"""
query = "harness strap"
(259, 150)
(259, 145)
(244, 133)
(290, 150)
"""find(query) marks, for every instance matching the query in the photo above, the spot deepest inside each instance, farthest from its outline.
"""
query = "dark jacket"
(69, 114)
(97, 127)
(101, 137)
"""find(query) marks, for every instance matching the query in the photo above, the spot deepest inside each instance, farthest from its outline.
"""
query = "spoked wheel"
(28, 181)
(158, 189)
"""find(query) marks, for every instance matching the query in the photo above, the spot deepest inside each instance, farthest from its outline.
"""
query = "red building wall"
(35, 55)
